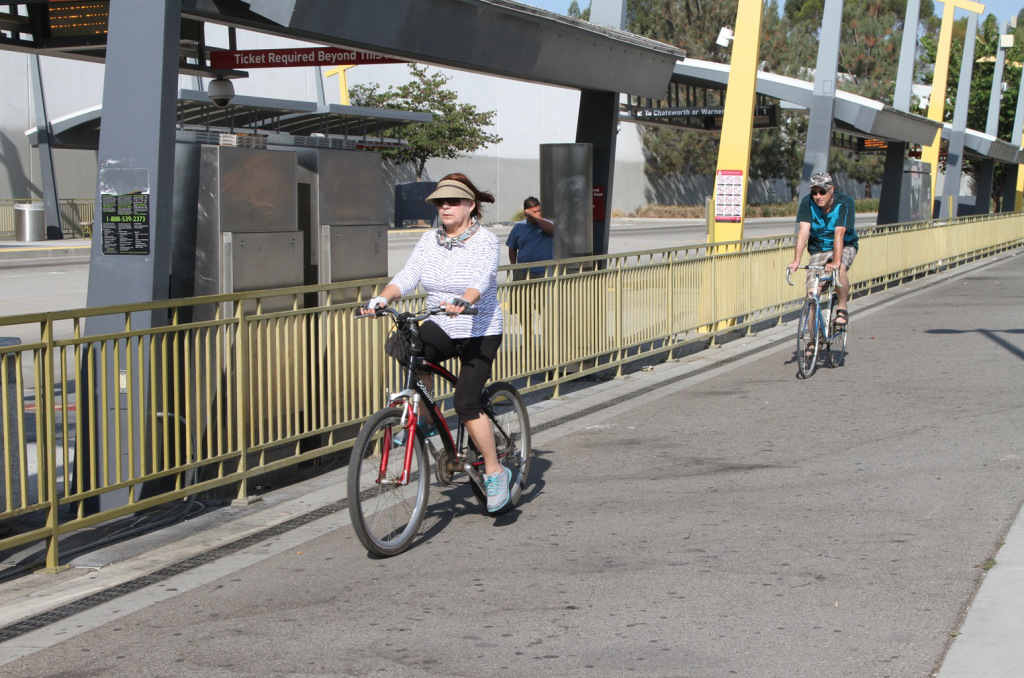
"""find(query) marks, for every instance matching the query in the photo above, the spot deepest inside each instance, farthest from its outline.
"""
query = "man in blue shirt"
(827, 229)
(531, 239)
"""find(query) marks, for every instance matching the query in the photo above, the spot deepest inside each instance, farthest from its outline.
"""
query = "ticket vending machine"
(342, 193)
(247, 219)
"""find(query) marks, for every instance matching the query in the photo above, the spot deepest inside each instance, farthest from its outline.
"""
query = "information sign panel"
(729, 195)
(125, 223)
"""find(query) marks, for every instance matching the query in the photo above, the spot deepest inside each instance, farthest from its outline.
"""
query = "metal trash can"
(29, 222)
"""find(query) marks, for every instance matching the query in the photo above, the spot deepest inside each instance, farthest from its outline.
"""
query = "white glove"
(372, 304)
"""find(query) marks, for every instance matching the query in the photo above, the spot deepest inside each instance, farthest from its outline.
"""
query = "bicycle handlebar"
(808, 267)
(413, 317)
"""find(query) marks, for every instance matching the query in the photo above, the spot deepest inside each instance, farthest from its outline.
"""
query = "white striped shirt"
(445, 273)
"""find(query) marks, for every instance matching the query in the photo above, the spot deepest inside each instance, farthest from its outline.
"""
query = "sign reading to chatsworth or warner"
(227, 59)
(692, 112)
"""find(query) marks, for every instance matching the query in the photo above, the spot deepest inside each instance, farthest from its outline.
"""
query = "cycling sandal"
(842, 317)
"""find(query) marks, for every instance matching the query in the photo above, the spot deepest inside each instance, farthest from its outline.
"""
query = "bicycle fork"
(410, 403)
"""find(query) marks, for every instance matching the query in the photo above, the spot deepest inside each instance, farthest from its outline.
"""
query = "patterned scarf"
(444, 241)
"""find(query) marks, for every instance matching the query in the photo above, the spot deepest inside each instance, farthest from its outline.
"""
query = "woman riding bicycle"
(457, 266)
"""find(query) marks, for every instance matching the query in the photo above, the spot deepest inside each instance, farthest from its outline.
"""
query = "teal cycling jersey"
(824, 224)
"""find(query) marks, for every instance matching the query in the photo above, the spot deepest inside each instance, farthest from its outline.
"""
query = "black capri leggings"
(476, 355)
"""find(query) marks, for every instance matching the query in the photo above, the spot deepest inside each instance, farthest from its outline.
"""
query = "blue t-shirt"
(823, 226)
(531, 244)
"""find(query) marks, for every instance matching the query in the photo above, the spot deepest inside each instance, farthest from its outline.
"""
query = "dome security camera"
(220, 91)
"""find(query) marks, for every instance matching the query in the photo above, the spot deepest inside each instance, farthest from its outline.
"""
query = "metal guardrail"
(223, 389)
(76, 216)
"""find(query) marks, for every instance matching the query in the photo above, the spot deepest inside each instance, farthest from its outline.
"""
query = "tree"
(982, 74)
(456, 130)
(694, 25)
(871, 39)
(575, 12)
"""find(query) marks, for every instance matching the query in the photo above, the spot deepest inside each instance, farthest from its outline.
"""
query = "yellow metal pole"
(737, 126)
(937, 99)
(342, 81)
(1019, 193)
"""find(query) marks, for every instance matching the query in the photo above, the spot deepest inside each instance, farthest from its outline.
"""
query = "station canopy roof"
(253, 121)
(853, 115)
(493, 37)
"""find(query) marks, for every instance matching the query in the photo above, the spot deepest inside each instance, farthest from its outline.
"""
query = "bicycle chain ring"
(444, 464)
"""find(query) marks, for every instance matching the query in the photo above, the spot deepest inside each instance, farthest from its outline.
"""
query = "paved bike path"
(680, 523)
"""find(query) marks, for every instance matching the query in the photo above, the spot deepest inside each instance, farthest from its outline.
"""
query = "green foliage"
(870, 44)
(694, 25)
(575, 13)
(456, 130)
(982, 74)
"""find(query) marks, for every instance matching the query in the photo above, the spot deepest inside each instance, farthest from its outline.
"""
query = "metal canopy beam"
(494, 37)
(852, 112)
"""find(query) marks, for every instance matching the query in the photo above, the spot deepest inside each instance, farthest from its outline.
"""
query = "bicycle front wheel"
(837, 336)
(386, 510)
(807, 339)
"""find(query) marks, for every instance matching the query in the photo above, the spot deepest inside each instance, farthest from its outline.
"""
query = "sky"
(1003, 9)
(557, 6)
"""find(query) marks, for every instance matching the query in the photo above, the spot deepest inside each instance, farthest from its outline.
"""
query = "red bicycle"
(389, 472)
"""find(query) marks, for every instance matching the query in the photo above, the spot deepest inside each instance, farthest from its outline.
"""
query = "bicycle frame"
(824, 286)
(409, 399)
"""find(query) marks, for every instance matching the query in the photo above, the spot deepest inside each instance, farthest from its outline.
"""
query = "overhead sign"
(692, 112)
(872, 145)
(231, 59)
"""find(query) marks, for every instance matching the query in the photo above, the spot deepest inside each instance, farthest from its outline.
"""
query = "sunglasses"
(454, 202)
(818, 191)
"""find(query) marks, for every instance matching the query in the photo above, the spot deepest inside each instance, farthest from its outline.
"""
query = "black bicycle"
(389, 472)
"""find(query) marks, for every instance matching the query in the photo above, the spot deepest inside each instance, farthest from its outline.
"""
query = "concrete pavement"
(659, 538)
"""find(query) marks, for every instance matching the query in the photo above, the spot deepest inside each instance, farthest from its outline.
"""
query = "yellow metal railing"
(231, 387)
(76, 216)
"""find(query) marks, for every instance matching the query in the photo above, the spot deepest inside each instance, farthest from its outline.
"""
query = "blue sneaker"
(497, 487)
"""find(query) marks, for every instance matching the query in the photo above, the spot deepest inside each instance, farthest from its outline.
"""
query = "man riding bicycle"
(827, 229)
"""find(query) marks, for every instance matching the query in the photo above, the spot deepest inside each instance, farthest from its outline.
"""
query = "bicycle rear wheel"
(386, 513)
(837, 336)
(511, 423)
(807, 339)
